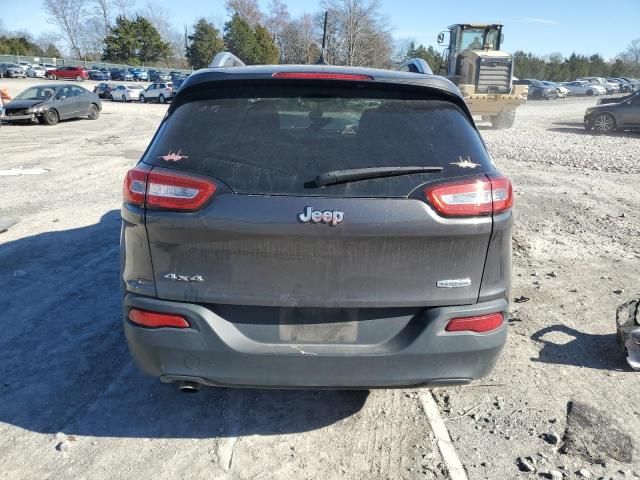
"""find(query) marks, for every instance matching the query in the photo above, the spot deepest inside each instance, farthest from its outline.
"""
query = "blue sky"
(541, 26)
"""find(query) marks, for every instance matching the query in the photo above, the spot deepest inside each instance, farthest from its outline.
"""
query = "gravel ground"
(561, 402)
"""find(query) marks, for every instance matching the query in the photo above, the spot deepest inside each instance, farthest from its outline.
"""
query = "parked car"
(11, 70)
(36, 71)
(126, 93)
(98, 75)
(632, 81)
(139, 75)
(78, 74)
(608, 86)
(123, 75)
(177, 83)
(157, 92)
(103, 90)
(624, 98)
(24, 65)
(582, 87)
(623, 115)
(625, 87)
(159, 76)
(51, 103)
(335, 227)
(537, 89)
(561, 91)
(48, 66)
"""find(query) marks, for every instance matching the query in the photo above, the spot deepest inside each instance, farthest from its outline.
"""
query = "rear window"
(276, 140)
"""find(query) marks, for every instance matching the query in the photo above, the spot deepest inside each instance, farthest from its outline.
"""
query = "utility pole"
(321, 60)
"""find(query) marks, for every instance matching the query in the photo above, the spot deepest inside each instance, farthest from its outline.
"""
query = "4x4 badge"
(332, 217)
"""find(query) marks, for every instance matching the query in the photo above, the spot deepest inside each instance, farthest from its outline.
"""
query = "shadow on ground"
(573, 347)
(65, 366)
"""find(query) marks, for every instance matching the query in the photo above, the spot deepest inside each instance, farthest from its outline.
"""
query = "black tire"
(161, 99)
(141, 99)
(589, 93)
(124, 99)
(51, 117)
(503, 120)
(604, 123)
(94, 112)
(79, 78)
(52, 77)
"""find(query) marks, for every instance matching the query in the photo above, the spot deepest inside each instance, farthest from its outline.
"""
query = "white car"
(610, 87)
(48, 66)
(157, 92)
(126, 93)
(36, 71)
(582, 87)
(561, 89)
(25, 66)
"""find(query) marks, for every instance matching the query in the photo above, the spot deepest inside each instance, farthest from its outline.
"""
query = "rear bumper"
(214, 352)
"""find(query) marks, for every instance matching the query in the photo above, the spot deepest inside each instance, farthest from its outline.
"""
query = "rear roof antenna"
(321, 60)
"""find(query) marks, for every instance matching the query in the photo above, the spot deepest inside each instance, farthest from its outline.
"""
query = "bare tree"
(297, 41)
(160, 17)
(358, 34)
(47, 39)
(104, 10)
(67, 15)
(278, 18)
(248, 10)
(122, 8)
(633, 51)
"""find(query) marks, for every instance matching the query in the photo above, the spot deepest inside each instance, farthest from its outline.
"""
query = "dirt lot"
(561, 399)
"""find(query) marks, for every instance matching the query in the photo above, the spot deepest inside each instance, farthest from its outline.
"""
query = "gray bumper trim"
(215, 352)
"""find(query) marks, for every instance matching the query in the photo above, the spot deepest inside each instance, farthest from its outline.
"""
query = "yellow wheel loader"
(481, 71)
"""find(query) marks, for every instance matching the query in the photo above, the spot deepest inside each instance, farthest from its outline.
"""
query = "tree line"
(557, 68)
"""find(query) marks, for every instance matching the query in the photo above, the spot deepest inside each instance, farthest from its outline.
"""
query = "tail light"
(166, 189)
(478, 196)
(145, 318)
(479, 324)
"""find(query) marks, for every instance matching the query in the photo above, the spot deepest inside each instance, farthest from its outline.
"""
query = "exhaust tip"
(189, 387)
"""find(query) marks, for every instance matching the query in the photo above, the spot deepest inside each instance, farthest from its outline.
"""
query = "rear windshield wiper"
(353, 175)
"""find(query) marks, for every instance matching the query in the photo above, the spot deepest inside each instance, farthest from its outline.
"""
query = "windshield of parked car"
(537, 83)
(36, 93)
(275, 140)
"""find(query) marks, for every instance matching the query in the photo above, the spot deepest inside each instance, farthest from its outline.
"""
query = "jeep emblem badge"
(331, 217)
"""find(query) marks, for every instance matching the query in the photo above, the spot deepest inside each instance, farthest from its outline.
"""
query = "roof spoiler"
(226, 59)
(416, 65)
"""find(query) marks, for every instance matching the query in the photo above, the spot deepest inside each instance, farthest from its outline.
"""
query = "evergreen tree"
(205, 44)
(240, 40)
(267, 52)
(134, 41)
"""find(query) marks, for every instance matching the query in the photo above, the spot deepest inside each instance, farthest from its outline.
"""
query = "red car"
(68, 73)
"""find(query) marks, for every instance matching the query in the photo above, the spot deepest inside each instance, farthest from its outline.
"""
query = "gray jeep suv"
(316, 226)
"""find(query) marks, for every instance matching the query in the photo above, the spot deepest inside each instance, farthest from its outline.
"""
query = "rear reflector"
(320, 76)
(480, 324)
(157, 320)
(479, 196)
(135, 185)
(166, 189)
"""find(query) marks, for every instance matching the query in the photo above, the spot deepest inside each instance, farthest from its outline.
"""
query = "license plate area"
(319, 326)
